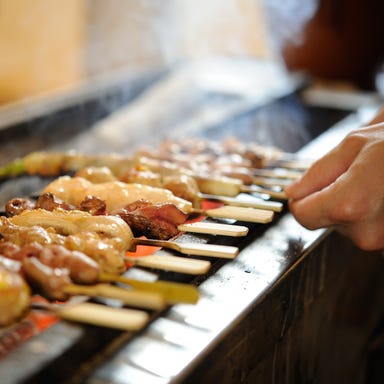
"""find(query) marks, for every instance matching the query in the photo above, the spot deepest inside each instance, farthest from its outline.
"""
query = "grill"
(270, 315)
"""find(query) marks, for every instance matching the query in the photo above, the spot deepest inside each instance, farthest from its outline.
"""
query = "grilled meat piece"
(17, 205)
(158, 221)
(50, 281)
(14, 296)
(94, 205)
(49, 202)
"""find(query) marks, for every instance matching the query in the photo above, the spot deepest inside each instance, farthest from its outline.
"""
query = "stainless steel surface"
(174, 344)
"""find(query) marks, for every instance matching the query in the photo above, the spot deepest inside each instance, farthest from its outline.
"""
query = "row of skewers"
(73, 238)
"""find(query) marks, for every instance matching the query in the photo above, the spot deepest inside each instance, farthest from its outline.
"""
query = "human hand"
(345, 189)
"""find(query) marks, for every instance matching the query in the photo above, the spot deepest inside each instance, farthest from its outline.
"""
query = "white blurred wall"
(49, 44)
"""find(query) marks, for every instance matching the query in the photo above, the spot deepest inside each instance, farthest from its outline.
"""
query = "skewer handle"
(291, 163)
(102, 315)
(172, 263)
(270, 182)
(246, 214)
(196, 249)
(209, 250)
(172, 292)
(214, 229)
(277, 173)
(250, 203)
(140, 299)
(256, 189)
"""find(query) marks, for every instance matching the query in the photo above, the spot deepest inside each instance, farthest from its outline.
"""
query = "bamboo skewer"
(171, 263)
(252, 215)
(271, 182)
(147, 300)
(197, 249)
(255, 189)
(102, 315)
(172, 292)
(214, 229)
(274, 206)
(277, 173)
(232, 187)
(78, 309)
(292, 163)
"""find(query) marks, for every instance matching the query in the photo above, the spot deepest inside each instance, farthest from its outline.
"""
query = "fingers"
(327, 169)
(337, 204)
(313, 210)
(353, 201)
(344, 189)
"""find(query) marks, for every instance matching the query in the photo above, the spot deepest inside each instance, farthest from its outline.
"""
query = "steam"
(287, 18)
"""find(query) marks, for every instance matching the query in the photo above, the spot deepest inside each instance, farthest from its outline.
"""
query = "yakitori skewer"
(228, 151)
(56, 163)
(173, 217)
(16, 299)
(209, 183)
(72, 222)
(56, 272)
(116, 194)
(108, 250)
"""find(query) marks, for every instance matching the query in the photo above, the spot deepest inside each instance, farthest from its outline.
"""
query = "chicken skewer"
(214, 183)
(15, 296)
(228, 151)
(56, 163)
(16, 300)
(106, 256)
(177, 222)
(58, 271)
(182, 185)
(105, 239)
(72, 222)
(117, 194)
(190, 185)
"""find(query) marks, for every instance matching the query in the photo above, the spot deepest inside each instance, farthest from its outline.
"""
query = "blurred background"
(176, 66)
(48, 45)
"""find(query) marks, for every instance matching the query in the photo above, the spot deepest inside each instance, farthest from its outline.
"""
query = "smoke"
(287, 18)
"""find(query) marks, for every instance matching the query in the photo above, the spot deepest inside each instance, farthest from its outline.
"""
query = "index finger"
(327, 169)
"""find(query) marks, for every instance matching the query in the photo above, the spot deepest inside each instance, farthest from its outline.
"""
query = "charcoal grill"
(294, 306)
